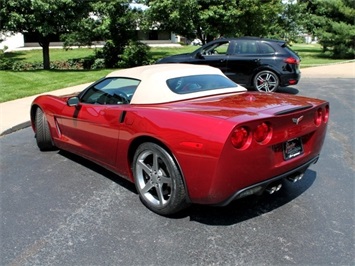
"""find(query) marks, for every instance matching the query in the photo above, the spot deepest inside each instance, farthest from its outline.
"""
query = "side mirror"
(73, 101)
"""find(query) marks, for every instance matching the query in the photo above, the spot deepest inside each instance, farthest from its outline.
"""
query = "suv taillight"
(292, 61)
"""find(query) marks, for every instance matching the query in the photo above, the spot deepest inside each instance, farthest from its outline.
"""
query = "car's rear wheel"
(266, 81)
(158, 179)
(43, 134)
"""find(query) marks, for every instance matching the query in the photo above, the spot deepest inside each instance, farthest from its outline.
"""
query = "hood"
(247, 104)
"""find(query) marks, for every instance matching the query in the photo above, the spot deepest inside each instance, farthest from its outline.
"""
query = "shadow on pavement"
(288, 90)
(252, 206)
(236, 212)
(100, 170)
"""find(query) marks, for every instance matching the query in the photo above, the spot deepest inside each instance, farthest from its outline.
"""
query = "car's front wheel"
(158, 179)
(43, 134)
(266, 81)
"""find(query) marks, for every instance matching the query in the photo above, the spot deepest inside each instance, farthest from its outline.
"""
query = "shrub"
(109, 54)
(5, 63)
(135, 54)
(98, 63)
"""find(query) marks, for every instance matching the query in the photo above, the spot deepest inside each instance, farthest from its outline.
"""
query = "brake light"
(262, 132)
(292, 81)
(318, 116)
(240, 138)
(292, 61)
(326, 114)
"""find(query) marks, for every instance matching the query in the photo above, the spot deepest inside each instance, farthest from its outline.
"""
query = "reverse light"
(292, 61)
(262, 132)
(318, 116)
(240, 137)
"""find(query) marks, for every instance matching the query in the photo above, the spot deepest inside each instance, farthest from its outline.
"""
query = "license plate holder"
(292, 148)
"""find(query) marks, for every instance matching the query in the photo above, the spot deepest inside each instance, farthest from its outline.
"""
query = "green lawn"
(14, 85)
(311, 55)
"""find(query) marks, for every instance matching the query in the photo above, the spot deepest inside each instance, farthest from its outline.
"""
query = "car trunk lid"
(251, 105)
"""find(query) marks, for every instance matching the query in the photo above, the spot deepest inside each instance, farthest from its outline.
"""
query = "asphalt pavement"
(15, 115)
(57, 208)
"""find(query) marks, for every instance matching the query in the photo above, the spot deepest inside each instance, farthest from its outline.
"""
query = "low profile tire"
(266, 81)
(158, 180)
(43, 134)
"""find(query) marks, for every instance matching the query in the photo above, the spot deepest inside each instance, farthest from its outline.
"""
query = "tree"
(291, 20)
(207, 19)
(113, 21)
(42, 18)
(332, 21)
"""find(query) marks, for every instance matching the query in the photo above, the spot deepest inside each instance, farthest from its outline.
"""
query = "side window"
(111, 91)
(266, 48)
(247, 47)
(216, 49)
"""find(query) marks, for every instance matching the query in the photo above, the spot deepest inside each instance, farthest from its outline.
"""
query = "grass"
(15, 85)
(33, 56)
(311, 55)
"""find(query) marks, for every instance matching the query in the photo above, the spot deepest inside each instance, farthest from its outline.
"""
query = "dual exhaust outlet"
(274, 188)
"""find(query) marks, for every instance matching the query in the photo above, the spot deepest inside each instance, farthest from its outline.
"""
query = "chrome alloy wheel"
(153, 178)
(158, 179)
(266, 81)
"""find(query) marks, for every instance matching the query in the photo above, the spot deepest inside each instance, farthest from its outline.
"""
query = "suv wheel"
(266, 81)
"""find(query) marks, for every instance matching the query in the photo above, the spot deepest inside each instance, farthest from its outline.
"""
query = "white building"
(11, 40)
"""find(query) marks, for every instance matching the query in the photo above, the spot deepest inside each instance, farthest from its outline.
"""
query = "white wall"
(11, 40)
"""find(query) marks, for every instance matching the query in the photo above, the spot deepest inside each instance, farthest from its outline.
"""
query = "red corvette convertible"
(185, 133)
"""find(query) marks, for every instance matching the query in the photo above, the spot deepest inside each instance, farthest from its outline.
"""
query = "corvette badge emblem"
(297, 120)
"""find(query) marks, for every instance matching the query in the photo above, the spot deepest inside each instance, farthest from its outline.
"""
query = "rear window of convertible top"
(197, 83)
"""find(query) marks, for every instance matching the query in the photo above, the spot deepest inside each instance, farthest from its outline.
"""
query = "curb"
(16, 128)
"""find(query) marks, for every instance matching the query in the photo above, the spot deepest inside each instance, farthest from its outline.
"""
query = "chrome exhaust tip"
(295, 178)
(273, 189)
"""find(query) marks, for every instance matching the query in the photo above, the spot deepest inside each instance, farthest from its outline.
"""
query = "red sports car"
(185, 133)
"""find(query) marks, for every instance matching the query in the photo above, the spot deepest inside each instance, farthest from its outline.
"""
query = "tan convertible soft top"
(153, 87)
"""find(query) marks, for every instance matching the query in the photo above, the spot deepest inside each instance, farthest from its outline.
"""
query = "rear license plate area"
(292, 148)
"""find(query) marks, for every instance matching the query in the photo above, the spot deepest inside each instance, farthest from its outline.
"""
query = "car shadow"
(99, 170)
(249, 207)
(288, 90)
(236, 212)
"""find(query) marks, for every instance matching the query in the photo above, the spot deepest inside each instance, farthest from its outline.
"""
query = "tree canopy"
(207, 19)
(42, 18)
(81, 22)
(333, 22)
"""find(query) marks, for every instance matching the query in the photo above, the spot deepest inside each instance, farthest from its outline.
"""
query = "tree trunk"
(45, 52)
(199, 34)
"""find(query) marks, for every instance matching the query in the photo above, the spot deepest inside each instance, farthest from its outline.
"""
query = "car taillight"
(262, 132)
(292, 61)
(240, 137)
(318, 116)
(326, 114)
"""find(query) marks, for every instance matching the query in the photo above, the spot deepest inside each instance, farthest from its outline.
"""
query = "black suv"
(262, 64)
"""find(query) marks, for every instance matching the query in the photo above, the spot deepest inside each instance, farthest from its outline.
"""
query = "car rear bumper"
(259, 188)
(289, 79)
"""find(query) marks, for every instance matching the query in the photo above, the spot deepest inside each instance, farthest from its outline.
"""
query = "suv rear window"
(290, 51)
(266, 48)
